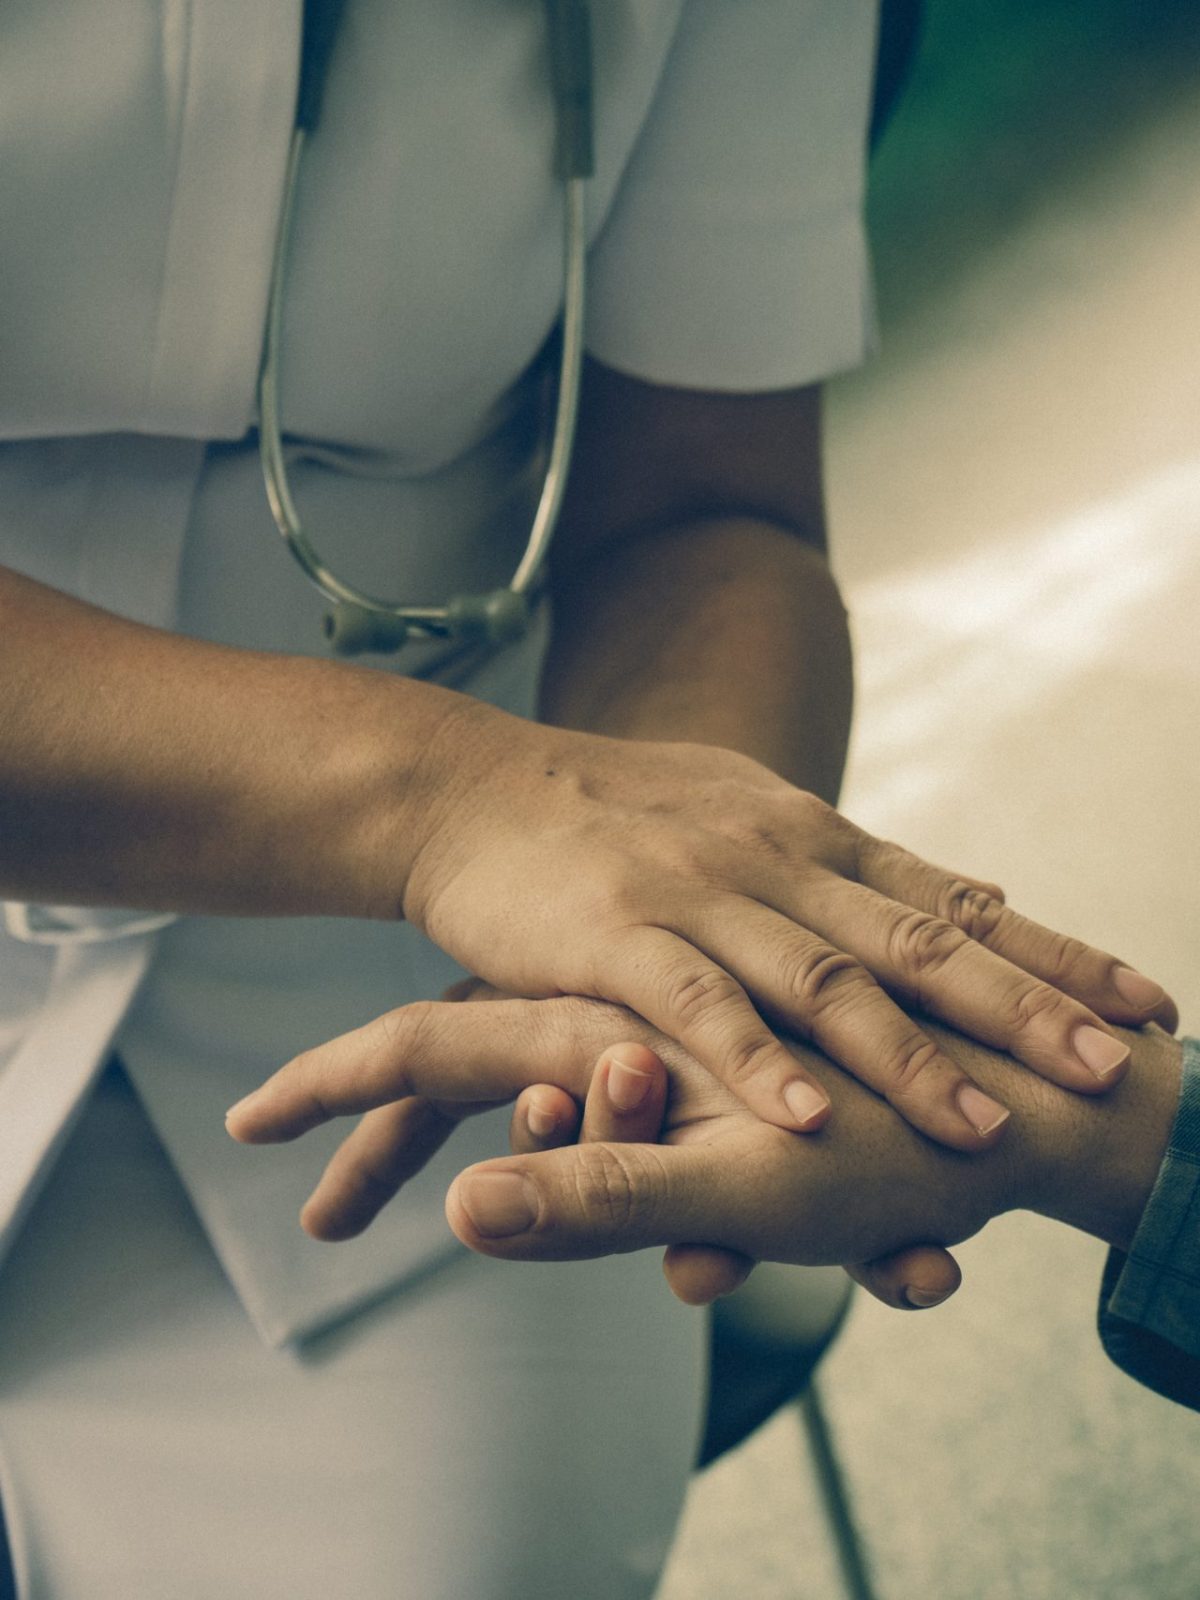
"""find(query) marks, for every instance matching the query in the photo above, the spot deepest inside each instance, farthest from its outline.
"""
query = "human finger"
(387, 1148)
(698, 1274)
(394, 1142)
(830, 998)
(443, 1051)
(984, 885)
(626, 1102)
(627, 1096)
(603, 1199)
(940, 967)
(691, 998)
(543, 1117)
(914, 1279)
(1111, 988)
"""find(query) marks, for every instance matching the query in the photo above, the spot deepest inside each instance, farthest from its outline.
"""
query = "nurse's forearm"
(728, 632)
(141, 768)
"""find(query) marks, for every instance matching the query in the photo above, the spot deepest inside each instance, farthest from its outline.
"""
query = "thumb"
(587, 1200)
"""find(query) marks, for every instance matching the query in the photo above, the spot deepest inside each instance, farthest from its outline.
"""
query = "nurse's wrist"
(412, 748)
(441, 754)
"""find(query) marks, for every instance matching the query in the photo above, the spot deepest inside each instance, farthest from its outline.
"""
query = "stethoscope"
(473, 623)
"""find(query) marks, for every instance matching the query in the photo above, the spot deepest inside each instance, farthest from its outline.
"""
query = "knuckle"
(817, 811)
(621, 903)
(308, 1069)
(1062, 959)
(823, 977)
(873, 856)
(406, 1030)
(912, 1065)
(745, 1057)
(690, 858)
(1034, 1005)
(397, 1039)
(838, 841)
(921, 944)
(693, 993)
(608, 891)
(977, 913)
(610, 1187)
(758, 835)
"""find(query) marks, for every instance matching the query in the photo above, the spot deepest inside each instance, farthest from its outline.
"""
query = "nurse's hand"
(711, 897)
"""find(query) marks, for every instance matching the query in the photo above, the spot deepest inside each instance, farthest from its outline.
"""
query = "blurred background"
(1015, 489)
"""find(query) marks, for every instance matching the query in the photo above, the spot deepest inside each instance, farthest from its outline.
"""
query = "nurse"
(220, 846)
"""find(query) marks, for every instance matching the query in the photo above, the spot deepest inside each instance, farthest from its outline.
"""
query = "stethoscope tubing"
(362, 621)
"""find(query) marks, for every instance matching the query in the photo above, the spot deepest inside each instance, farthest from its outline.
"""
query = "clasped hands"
(775, 916)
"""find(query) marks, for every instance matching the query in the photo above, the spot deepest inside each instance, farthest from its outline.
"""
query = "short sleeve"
(735, 255)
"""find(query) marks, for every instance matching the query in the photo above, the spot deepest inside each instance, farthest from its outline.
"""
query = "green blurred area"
(1010, 104)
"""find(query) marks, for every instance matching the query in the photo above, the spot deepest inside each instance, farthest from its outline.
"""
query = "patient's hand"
(867, 1185)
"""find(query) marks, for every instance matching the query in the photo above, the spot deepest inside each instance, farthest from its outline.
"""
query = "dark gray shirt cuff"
(1150, 1298)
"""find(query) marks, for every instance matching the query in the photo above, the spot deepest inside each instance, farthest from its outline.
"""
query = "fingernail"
(983, 1113)
(1100, 1053)
(1141, 992)
(804, 1101)
(925, 1299)
(627, 1087)
(542, 1123)
(237, 1106)
(499, 1203)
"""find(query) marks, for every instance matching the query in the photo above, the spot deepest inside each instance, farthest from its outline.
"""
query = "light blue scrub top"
(141, 160)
